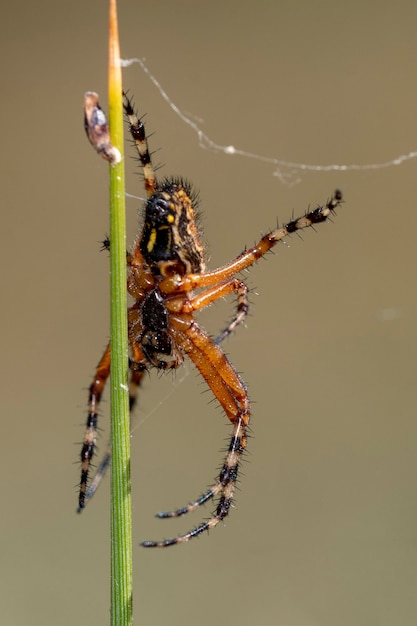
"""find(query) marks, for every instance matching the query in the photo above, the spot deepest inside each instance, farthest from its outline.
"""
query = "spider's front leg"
(188, 282)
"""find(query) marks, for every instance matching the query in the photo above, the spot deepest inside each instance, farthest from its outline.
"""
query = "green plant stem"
(121, 518)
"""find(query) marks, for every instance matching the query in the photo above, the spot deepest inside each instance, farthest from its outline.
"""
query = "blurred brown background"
(325, 527)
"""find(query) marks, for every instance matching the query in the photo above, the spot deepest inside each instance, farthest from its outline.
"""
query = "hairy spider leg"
(135, 378)
(232, 285)
(90, 437)
(188, 282)
(137, 130)
(231, 393)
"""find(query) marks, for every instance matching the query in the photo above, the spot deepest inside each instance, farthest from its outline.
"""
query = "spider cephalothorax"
(165, 268)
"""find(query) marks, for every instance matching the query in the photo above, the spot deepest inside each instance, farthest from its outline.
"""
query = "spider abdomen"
(169, 241)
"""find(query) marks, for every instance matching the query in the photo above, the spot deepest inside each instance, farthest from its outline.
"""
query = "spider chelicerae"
(165, 269)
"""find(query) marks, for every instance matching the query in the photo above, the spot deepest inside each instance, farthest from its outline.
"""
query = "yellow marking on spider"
(152, 239)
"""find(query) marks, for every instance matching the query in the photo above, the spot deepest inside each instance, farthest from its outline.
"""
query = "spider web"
(178, 380)
(286, 171)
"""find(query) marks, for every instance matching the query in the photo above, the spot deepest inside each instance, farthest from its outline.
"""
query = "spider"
(164, 270)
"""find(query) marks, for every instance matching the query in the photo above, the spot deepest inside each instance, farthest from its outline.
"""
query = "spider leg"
(242, 309)
(232, 285)
(137, 130)
(230, 391)
(90, 437)
(134, 382)
(188, 282)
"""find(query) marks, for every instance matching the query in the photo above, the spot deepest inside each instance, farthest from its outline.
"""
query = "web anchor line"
(284, 170)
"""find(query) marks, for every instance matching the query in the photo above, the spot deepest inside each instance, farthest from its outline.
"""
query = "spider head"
(170, 241)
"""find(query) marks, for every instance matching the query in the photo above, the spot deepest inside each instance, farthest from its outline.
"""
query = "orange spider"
(165, 268)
